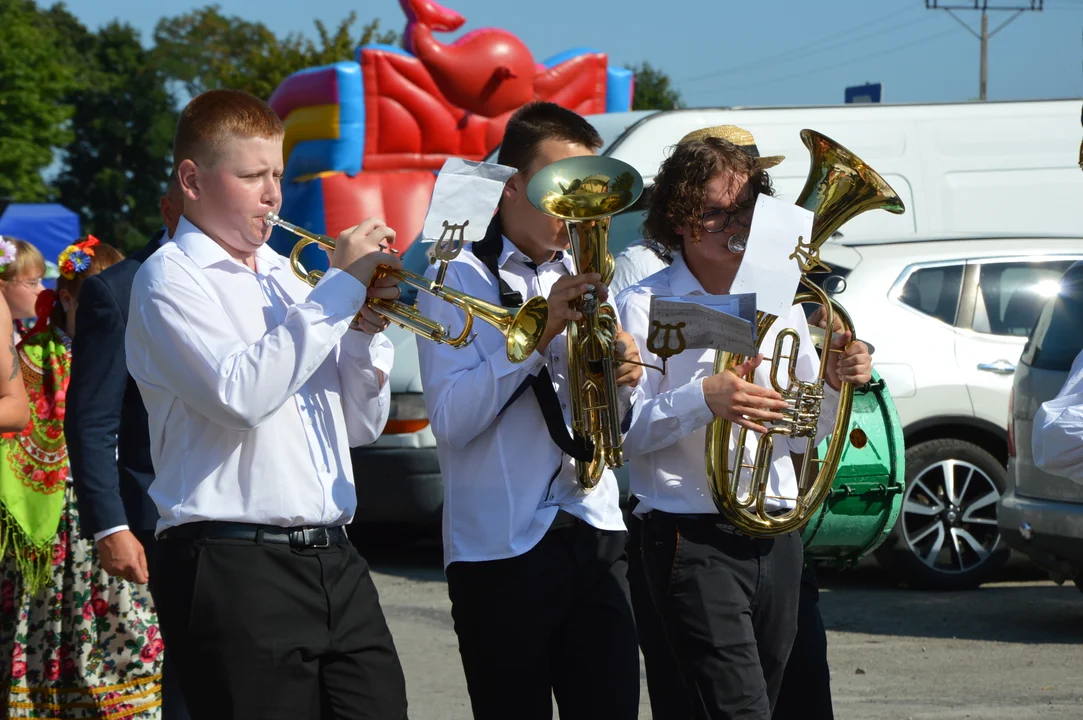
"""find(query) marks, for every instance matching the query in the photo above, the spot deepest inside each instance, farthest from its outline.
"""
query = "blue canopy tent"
(50, 227)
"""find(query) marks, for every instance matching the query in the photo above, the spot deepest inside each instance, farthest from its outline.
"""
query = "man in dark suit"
(107, 433)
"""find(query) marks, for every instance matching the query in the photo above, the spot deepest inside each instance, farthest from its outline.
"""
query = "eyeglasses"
(716, 221)
(29, 284)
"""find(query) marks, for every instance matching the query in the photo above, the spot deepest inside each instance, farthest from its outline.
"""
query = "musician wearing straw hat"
(647, 256)
(728, 602)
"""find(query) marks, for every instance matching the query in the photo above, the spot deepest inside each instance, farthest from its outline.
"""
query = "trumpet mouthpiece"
(270, 218)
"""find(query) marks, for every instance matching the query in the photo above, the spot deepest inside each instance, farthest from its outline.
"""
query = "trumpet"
(522, 327)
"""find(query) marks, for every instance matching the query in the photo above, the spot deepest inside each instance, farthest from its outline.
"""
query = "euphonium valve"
(585, 192)
(522, 327)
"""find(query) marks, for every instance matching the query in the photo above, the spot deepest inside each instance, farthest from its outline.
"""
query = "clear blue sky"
(726, 52)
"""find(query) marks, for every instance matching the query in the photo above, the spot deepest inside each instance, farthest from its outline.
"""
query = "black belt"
(300, 538)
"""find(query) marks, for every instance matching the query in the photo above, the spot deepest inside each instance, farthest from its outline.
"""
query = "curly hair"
(680, 187)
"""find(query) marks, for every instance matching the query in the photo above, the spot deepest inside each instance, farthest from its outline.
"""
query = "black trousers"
(668, 697)
(555, 621)
(728, 603)
(262, 631)
(806, 685)
(173, 707)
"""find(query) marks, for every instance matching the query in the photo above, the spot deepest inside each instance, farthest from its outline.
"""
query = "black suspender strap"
(488, 251)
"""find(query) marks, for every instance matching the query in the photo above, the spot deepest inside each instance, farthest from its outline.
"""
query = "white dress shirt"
(665, 442)
(633, 264)
(1058, 428)
(504, 477)
(254, 387)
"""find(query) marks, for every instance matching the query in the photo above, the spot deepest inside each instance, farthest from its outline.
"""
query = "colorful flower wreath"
(76, 258)
(8, 251)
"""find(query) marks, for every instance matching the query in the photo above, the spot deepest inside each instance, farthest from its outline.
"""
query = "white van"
(960, 168)
(992, 167)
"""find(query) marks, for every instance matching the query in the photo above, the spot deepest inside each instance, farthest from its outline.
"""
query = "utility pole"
(983, 37)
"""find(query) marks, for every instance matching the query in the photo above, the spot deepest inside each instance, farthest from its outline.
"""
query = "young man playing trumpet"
(728, 601)
(255, 389)
(535, 565)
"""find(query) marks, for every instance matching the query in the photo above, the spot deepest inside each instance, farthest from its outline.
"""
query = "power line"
(794, 53)
(846, 63)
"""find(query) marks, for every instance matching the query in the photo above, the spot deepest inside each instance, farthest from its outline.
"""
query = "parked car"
(1041, 515)
(949, 318)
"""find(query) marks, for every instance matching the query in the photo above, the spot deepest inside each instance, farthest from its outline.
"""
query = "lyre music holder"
(659, 342)
(448, 247)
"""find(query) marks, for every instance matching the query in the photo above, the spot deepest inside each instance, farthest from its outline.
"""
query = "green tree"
(123, 123)
(205, 49)
(653, 89)
(34, 80)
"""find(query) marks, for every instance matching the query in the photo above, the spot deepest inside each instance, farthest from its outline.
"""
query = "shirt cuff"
(690, 405)
(340, 294)
(98, 536)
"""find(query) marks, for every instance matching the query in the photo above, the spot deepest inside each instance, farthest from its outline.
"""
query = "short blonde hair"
(214, 117)
(28, 260)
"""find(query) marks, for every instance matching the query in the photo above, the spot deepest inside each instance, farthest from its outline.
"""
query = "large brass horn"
(839, 186)
(522, 326)
(585, 192)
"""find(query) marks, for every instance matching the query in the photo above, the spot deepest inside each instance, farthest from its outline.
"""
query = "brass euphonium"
(522, 326)
(585, 192)
(839, 187)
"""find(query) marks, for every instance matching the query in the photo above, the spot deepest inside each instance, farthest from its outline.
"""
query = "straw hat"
(738, 136)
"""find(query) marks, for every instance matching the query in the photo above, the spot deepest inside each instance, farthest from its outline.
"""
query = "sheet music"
(720, 322)
(465, 191)
(767, 268)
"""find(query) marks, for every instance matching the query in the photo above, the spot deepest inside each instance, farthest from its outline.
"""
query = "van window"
(1012, 294)
(1058, 335)
(934, 291)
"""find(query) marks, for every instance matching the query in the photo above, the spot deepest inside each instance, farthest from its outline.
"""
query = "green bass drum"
(867, 493)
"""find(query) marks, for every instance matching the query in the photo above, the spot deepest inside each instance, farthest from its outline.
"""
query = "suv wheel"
(946, 537)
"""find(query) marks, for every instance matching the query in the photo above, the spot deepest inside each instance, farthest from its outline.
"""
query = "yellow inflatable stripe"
(319, 122)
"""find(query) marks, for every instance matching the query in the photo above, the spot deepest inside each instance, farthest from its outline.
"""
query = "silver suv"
(1041, 515)
(949, 318)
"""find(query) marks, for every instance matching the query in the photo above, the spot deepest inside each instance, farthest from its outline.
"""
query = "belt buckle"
(305, 538)
(317, 537)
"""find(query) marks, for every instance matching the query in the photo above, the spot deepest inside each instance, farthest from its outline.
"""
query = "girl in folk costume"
(75, 642)
(22, 269)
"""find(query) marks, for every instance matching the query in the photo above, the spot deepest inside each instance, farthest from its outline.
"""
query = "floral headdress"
(8, 251)
(76, 258)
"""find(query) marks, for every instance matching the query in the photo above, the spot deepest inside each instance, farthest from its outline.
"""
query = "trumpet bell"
(525, 329)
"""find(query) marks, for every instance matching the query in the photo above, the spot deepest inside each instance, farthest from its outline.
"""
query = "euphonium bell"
(585, 192)
(522, 326)
(839, 186)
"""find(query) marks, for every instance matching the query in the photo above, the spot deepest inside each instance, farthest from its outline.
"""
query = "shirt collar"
(205, 252)
(509, 251)
(681, 279)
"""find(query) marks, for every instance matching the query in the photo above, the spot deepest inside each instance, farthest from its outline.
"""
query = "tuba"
(839, 187)
(585, 192)
(522, 327)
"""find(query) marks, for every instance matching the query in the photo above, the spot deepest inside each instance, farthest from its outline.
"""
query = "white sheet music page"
(767, 269)
(465, 191)
(719, 322)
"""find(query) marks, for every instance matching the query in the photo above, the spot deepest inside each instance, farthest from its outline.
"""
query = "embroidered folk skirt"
(87, 646)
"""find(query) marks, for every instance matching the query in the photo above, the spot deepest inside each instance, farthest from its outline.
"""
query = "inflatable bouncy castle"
(367, 137)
